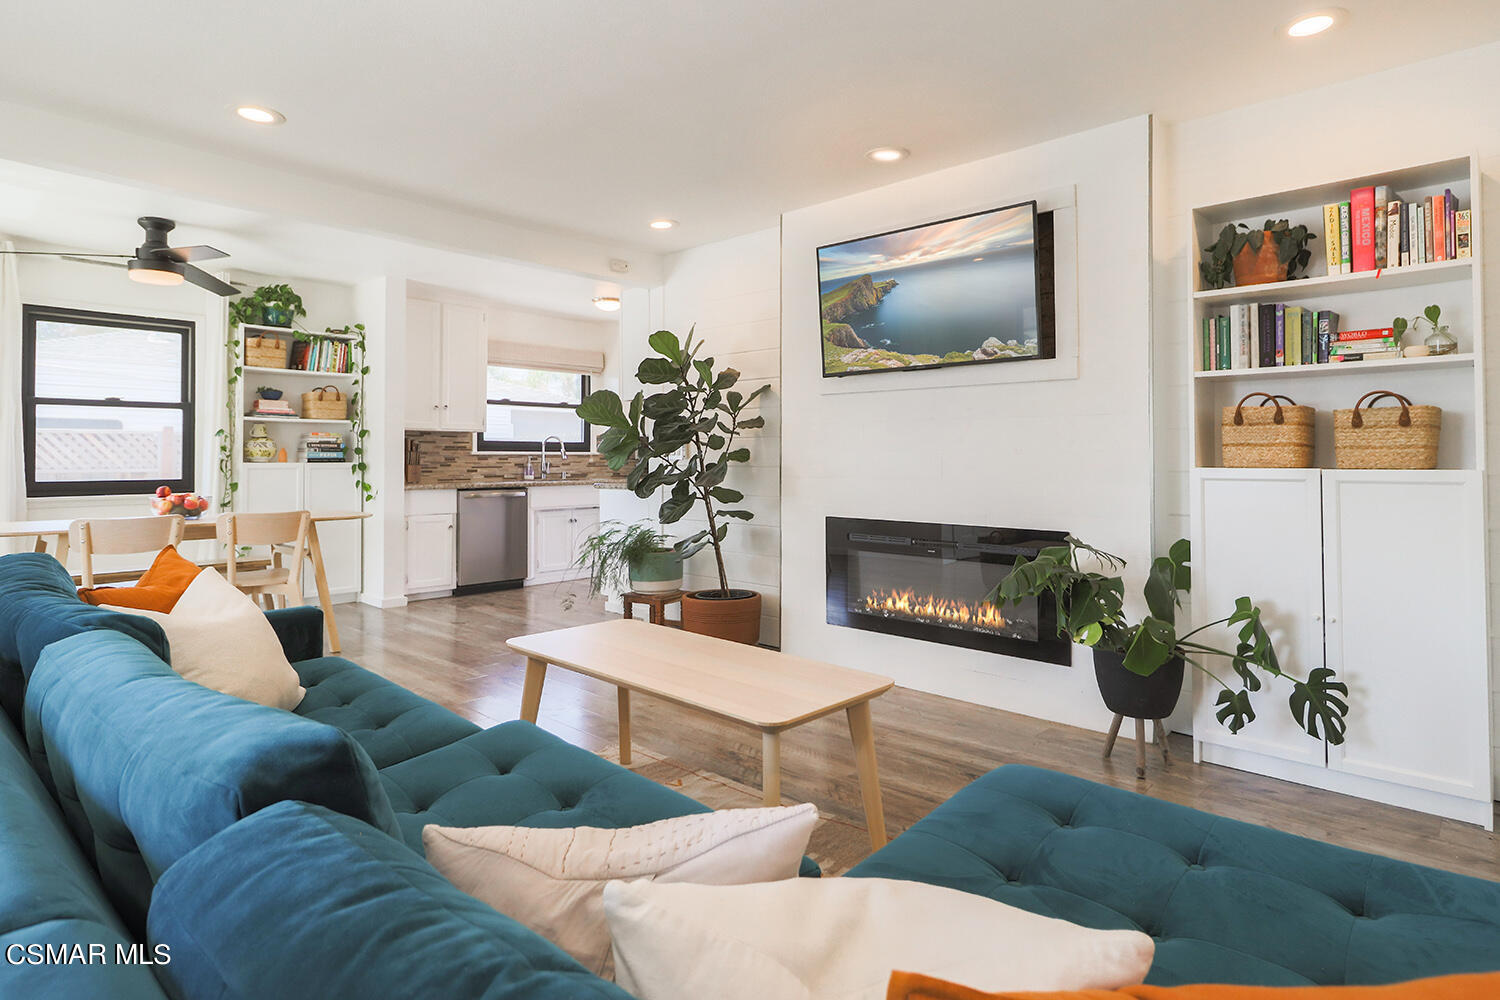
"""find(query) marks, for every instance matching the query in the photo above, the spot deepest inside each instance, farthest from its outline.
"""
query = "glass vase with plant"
(1429, 331)
(1090, 611)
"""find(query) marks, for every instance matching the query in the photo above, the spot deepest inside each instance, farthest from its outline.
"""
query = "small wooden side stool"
(656, 602)
(1159, 738)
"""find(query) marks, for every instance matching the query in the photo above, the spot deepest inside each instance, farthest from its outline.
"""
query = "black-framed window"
(524, 406)
(106, 402)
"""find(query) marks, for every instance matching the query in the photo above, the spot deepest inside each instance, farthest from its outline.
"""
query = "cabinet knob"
(1317, 618)
(1332, 620)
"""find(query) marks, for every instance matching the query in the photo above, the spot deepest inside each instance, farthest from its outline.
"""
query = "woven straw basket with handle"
(1387, 438)
(1267, 437)
(325, 403)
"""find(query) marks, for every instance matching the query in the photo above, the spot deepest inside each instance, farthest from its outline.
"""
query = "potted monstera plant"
(683, 438)
(1139, 665)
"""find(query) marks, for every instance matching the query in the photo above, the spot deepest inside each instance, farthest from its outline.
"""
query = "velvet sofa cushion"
(391, 723)
(300, 902)
(300, 631)
(516, 774)
(1226, 901)
(147, 765)
(38, 606)
(49, 896)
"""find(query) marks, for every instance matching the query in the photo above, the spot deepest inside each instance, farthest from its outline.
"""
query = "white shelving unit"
(1317, 547)
(286, 431)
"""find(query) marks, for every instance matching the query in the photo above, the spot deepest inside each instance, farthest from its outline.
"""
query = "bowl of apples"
(189, 505)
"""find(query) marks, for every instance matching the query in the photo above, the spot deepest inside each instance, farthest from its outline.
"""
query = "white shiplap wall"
(1395, 118)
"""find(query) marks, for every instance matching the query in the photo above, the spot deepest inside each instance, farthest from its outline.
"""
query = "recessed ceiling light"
(663, 223)
(1316, 22)
(607, 303)
(887, 154)
(259, 115)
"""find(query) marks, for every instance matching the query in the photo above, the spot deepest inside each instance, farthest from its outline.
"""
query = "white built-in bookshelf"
(1365, 299)
(1378, 575)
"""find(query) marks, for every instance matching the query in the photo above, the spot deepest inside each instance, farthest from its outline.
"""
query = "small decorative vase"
(1440, 341)
(258, 446)
(275, 315)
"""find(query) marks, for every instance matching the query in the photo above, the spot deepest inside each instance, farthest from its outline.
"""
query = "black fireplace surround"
(928, 581)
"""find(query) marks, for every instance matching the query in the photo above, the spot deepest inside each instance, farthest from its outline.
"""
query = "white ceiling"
(594, 116)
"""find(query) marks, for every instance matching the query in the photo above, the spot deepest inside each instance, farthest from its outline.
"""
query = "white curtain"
(12, 467)
(547, 356)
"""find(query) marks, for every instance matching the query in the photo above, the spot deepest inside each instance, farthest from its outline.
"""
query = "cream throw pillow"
(220, 639)
(553, 880)
(840, 938)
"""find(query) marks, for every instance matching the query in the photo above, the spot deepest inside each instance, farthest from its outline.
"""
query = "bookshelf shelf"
(295, 332)
(292, 420)
(298, 372)
(1384, 365)
(1325, 284)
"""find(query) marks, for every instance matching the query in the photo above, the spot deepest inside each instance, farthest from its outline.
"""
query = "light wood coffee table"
(766, 690)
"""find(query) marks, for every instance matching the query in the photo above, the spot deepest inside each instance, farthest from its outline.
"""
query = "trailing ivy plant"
(250, 309)
(358, 432)
(1291, 249)
(1090, 611)
(682, 437)
(227, 434)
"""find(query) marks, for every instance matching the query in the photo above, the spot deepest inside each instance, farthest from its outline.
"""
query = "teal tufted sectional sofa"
(1226, 901)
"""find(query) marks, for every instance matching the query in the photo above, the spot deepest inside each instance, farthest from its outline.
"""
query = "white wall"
(729, 292)
(1396, 118)
(981, 446)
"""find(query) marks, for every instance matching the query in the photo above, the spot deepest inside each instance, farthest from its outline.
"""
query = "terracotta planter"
(735, 617)
(1251, 268)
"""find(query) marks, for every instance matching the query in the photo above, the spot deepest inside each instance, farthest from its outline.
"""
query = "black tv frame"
(1042, 254)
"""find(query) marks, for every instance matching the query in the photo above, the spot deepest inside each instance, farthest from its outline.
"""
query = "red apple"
(191, 503)
(162, 491)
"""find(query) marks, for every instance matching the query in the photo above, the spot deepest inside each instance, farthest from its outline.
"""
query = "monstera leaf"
(1235, 710)
(1319, 707)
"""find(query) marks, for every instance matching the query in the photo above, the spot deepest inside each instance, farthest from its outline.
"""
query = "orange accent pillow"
(158, 588)
(1476, 986)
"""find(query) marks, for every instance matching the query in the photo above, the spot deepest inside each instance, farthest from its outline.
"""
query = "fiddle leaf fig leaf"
(603, 408)
(664, 342)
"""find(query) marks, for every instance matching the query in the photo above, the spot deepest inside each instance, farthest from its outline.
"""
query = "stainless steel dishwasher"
(491, 538)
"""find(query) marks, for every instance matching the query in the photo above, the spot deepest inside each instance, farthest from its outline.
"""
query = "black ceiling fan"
(155, 263)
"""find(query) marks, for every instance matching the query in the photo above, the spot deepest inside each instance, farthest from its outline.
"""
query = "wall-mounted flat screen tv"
(965, 291)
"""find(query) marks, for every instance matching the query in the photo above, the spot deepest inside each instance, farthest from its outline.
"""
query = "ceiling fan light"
(156, 272)
(607, 303)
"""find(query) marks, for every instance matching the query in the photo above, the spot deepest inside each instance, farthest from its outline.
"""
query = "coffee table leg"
(862, 733)
(770, 783)
(531, 694)
(624, 694)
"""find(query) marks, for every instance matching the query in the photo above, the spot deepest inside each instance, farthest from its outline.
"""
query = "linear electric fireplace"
(928, 581)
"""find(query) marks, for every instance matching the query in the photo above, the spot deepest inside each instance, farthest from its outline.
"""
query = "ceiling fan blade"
(63, 253)
(203, 279)
(99, 261)
(185, 255)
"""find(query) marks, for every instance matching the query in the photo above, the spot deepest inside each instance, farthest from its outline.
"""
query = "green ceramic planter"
(657, 572)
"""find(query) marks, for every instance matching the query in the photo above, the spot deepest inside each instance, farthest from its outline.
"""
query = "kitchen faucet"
(562, 453)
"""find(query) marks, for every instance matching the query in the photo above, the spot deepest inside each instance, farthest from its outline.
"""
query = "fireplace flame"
(932, 609)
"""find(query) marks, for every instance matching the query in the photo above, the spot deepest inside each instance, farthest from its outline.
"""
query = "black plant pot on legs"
(1131, 696)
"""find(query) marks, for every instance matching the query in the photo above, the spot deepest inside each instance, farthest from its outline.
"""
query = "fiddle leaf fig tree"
(682, 436)
(1090, 612)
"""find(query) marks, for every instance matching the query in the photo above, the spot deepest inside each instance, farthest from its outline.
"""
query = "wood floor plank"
(452, 650)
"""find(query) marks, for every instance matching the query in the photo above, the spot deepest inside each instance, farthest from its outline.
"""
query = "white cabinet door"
(552, 535)
(430, 563)
(269, 486)
(423, 368)
(1406, 627)
(332, 488)
(465, 354)
(1258, 533)
(585, 523)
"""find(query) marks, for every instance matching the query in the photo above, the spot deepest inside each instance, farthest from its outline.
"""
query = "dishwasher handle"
(496, 495)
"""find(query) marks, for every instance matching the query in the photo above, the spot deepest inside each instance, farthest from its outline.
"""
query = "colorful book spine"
(1439, 229)
(1348, 336)
(1253, 329)
(1328, 329)
(1406, 211)
(1242, 338)
(1362, 228)
(1224, 351)
(1346, 258)
(1450, 209)
(1416, 234)
(1292, 317)
(1280, 336)
(1462, 234)
(1393, 234)
(1427, 250)
(1331, 244)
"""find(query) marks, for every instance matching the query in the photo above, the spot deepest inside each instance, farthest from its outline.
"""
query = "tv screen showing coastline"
(958, 292)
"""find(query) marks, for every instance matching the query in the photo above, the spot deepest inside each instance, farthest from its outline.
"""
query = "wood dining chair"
(283, 532)
(121, 536)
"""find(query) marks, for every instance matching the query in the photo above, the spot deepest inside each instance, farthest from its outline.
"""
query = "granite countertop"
(488, 484)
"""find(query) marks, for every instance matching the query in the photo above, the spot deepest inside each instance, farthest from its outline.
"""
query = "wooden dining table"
(52, 536)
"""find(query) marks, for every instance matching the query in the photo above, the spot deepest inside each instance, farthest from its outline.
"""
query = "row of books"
(272, 408)
(1375, 229)
(1276, 336)
(321, 354)
(321, 446)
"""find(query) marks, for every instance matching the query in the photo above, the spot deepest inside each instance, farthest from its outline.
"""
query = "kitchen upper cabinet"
(447, 348)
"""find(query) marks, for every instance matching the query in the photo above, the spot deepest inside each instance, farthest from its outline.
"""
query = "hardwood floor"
(453, 651)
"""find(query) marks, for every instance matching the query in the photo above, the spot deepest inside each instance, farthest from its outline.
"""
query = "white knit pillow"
(553, 880)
